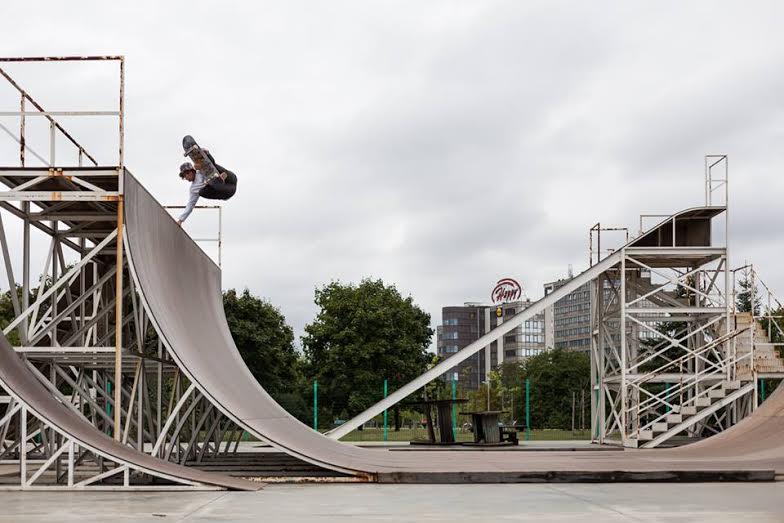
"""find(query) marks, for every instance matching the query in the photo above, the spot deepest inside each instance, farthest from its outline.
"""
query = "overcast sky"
(438, 145)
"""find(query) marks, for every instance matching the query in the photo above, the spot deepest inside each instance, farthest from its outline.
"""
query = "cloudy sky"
(438, 145)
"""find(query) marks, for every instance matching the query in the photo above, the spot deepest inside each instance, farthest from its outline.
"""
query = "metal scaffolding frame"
(665, 331)
(80, 325)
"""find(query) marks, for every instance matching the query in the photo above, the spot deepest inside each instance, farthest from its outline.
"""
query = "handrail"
(26, 96)
(718, 341)
(722, 364)
(54, 124)
(691, 400)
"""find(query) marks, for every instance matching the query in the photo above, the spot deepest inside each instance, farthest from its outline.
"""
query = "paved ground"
(398, 503)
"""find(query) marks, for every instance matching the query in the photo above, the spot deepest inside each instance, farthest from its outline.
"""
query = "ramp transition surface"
(181, 289)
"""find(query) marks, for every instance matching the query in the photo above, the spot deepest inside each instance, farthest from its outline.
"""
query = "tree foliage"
(265, 341)
(747, 299)
(362, 335)
(556, 376)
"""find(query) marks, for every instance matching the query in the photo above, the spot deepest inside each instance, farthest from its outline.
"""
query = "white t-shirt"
(197, 185)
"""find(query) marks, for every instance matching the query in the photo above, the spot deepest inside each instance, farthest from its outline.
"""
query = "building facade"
(462, 325)
(568, 322)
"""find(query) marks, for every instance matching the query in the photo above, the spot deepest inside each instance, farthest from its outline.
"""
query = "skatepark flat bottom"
(445, 466)
(511, 466)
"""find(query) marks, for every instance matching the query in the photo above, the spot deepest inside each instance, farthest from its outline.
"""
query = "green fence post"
(667, 396)
(454, 406)
(527, 409)
(386, 432)
(315, 405)
(762, 389)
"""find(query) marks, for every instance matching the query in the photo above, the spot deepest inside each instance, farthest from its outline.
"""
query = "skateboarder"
(208, 179)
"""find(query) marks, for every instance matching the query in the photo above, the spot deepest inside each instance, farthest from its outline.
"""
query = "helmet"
(184, 168)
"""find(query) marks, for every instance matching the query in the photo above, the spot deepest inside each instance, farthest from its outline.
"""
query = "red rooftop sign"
(506, 290)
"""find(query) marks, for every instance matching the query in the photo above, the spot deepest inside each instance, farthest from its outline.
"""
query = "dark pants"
(219, 189)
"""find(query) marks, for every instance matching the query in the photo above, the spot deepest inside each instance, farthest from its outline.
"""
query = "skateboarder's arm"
(193, 198)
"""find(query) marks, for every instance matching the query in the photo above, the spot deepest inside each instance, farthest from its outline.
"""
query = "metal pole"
(122, 115)
(51, 143)
(574, 395)
(762, 389)
(118, 317)
(22, 131)
(667, 395)
(26, 264)
(315, 405)
(527, 409)
(220, 237)
(386, 432)
(624, 348)
(454, 406)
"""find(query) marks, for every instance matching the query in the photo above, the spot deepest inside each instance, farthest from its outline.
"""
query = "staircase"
(754, 353)
(684, 416)
(766, 359)
(747, 334)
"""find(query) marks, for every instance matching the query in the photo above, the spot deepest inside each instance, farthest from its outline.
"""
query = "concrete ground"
(745, 502)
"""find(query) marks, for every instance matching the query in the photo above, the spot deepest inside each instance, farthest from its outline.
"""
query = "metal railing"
(218, 238)
(54, 126)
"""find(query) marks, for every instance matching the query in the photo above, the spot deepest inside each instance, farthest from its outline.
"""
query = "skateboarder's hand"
(179, 222)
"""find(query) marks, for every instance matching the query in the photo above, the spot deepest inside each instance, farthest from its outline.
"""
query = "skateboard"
(196, 153)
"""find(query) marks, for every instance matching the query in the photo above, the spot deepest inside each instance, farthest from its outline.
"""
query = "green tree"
(362, 335)
(747, 299)
(266, 343)
(555, 375)
(7, 314)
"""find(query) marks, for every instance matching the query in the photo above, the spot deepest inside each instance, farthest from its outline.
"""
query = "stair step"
(703, 402)
(732, 385)
(688, 411)
(645, 435)
(660, 427)
(717, 393)
(674, 418)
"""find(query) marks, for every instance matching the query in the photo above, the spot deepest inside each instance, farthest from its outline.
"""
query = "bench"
(509, 433)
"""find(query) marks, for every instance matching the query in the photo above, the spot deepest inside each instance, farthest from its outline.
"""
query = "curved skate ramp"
(757, 437)
(181, 287)
(20, 381)
(181, 290)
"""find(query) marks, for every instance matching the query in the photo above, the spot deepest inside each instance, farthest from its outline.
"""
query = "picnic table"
(485, 424)
(444, 416)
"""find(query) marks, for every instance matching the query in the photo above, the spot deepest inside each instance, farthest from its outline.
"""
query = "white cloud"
(436, 145)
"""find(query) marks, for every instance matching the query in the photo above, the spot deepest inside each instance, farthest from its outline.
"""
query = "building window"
(451, 349)
(450, 335)
(450, 321)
